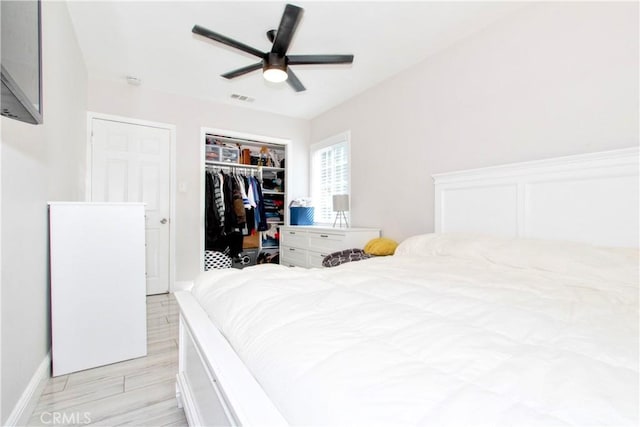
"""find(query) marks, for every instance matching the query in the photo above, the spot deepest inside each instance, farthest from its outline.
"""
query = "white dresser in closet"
(98, 301)
(307, 246)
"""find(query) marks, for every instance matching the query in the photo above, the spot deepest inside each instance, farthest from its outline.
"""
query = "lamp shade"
(341, 203)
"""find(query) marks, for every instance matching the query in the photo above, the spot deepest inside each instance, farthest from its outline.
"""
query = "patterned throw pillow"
(348, 255)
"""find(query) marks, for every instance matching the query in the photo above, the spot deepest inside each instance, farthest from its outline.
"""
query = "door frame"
(286, 143)
(172, 175)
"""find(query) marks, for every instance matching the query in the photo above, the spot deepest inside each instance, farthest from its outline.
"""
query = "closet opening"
(244, 199)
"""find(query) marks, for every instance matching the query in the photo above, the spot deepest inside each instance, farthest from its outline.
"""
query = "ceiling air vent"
(242, 98)
(133, 80)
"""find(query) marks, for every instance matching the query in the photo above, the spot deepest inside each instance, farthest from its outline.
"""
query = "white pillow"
(461, 245)
(571, 258)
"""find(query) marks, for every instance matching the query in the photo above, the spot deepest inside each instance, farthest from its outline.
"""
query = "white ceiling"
(152, 40)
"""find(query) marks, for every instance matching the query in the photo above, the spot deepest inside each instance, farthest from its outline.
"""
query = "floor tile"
(137, 392)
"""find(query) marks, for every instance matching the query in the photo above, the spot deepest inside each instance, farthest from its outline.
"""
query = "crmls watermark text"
(65, 417)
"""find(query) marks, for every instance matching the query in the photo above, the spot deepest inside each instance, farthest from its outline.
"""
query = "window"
(330, 174)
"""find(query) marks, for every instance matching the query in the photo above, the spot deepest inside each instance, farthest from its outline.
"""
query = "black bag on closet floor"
(269, 258)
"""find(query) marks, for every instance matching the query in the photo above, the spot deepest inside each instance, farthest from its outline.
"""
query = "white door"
(131, 163)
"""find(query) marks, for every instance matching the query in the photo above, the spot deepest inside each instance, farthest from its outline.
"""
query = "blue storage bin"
(301, 216)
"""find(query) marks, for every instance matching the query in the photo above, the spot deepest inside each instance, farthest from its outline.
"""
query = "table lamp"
(340, 206)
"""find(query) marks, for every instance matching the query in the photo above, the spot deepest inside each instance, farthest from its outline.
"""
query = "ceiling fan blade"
(197, 29)
(290, 20)
(241, 71)
(294, 82)
(319, 59)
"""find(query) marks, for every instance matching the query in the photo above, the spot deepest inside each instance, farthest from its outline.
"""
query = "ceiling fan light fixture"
(274, 68)
(275, 75)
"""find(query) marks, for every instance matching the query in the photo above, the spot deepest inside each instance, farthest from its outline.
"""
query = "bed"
(478, 324)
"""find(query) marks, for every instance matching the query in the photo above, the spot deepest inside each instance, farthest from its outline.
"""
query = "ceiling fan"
(275, 63)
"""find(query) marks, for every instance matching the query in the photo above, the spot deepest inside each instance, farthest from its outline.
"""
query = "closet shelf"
(272, 192)
(242, 166)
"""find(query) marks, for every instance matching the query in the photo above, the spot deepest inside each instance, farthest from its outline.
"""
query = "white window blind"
(330, 174)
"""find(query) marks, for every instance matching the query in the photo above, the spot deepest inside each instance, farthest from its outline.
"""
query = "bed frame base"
(213, 386)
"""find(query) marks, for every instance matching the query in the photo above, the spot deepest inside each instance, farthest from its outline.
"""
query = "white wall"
(552, 79)
(39, 163)
(190, 115)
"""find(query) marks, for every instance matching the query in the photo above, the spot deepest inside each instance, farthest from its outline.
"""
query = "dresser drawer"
(326, 242)
(294, 238)
(287, 263)
(315, 258)
(293, 256)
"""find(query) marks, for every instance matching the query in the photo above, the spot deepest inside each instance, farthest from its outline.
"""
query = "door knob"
(163, 221)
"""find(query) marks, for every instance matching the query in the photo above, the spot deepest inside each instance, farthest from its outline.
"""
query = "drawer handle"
(324, 235)
(292, 232)
(292, 249)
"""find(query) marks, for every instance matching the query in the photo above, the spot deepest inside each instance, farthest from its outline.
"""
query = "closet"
(244, 201)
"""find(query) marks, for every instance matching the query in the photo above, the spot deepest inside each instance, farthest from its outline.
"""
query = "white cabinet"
(98, 301)
(307, 246)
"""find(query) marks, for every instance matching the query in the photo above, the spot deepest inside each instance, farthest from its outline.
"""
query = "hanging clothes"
(214, 230)
(210, 221)
(238, 205)
(249, 208)
(234, 208)
(218, 197)
(261, 219)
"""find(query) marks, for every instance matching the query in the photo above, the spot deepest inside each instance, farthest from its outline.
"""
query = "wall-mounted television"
(21, 60)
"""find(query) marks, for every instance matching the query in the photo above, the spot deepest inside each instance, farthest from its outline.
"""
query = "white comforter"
(446, 332)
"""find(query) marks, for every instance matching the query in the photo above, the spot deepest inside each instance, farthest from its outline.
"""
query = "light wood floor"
(138, 392)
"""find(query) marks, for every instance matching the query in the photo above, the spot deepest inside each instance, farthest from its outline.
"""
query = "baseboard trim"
(29, 399)
(182, 286)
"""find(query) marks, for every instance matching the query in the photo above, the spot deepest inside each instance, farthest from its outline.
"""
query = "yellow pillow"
(381, 246)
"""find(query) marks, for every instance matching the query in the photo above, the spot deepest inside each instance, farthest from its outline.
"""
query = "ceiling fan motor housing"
(274, 60)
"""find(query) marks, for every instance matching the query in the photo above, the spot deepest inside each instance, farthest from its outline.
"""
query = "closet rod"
(242, 165)
(234, 169)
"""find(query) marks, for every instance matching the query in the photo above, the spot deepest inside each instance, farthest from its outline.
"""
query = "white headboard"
(591, 198)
